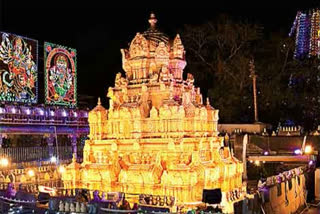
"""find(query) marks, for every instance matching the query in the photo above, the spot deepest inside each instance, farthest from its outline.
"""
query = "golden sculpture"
(157, 136)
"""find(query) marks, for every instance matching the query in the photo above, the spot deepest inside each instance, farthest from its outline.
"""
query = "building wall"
(280, 198)
(246, 128)
(317, 184)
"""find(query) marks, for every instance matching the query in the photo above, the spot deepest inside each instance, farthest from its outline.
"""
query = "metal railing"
(28, 154)
(11, 114)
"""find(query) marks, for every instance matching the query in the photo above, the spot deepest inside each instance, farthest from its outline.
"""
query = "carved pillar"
(50, 141)
(1, 140)
(74, 145)
(144, 73)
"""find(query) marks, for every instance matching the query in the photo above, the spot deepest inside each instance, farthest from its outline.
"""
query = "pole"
(254, 85)
(303, 143)
(55, 131)
(244, 156)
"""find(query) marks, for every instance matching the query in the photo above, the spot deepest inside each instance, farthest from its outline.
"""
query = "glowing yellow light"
(308, 149)
(257, 163)
(4, 162)
(126, 145)
(31, 173)
(62, 169)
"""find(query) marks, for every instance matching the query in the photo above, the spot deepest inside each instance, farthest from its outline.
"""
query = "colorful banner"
(60, 75)
(18, 69)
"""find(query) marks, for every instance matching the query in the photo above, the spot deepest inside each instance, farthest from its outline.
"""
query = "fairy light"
(295, 24)
(314, 32)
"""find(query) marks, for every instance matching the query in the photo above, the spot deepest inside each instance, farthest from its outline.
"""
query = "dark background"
(98, 30)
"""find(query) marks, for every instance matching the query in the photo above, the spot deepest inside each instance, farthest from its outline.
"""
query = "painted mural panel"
(18, 69)
(60, 75)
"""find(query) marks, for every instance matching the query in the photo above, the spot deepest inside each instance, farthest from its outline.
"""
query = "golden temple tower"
(157, 137)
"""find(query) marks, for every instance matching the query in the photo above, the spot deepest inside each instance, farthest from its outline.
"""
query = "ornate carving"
(126, 63)
(114, 99)
(164, 74)
(117, 81)
(190, 80)
(153, 113)
(120, 81)
(154, 78)
(144, 104)
(139, 46)
(178, 49)
(162, 54)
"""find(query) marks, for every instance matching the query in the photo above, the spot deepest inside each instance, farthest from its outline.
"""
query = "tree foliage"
(218, 54)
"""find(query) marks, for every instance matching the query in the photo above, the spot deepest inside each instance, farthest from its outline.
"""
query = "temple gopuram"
(158, 137)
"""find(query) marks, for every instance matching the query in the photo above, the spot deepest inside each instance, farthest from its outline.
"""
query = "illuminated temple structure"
(157, 137)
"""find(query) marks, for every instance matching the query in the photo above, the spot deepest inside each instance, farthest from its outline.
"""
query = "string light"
(307, 28)
(301, 36)
(295, 24)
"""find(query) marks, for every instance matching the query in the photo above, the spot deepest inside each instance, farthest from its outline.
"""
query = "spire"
(208, 101)
(99, 101)
(208, 105)
(74, 157)
(152, 20)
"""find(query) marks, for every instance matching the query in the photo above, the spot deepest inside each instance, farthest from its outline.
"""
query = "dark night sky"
(98, 31)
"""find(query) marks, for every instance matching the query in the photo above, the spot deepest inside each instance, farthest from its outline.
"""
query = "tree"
(218, 54)
(273, 57)
(289, 87)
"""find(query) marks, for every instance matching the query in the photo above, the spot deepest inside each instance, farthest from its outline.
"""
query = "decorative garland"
(284, 176)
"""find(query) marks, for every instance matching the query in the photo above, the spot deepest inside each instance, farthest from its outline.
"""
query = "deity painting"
(18, 69)
(60, 75)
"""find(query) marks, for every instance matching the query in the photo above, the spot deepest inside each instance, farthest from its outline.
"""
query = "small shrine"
(158, 136)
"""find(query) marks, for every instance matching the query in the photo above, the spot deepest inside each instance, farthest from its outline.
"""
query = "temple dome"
(99, 107)
(98, 113)
(156, 36)
(152, 56)
(153, 34)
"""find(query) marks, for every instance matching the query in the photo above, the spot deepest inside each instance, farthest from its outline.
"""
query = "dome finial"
(99, 101)
(153, 20)
(74, 157)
